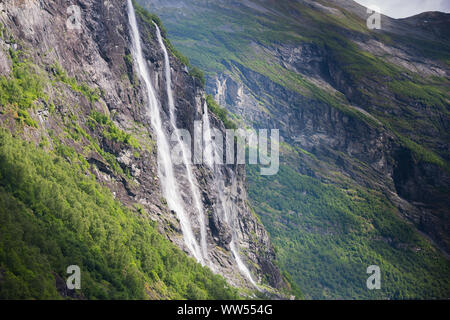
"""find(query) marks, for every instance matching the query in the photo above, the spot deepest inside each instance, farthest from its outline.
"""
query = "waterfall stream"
(171, 178)
(225, 205)
(166, 174)
(184, 152)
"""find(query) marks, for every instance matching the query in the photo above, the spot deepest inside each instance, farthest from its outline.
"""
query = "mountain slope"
(52, 216)
(365, 119)
(74, 99)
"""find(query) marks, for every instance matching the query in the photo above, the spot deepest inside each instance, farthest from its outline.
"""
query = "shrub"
(220, 112)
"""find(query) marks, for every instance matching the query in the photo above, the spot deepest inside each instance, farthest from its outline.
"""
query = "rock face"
(97, 55)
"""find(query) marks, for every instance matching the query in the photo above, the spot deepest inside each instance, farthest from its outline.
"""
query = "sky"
(407, 8)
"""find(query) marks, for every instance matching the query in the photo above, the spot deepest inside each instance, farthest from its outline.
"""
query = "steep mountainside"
(79, 179)
(364, 114)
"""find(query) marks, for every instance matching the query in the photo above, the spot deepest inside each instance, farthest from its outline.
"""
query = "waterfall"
(166, 174)
(186, 162)
(225, 205)
(166, 170)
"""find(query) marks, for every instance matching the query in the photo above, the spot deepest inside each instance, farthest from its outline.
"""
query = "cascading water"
(226, 206)
(166, 170)
(165, 165)
(186, 163)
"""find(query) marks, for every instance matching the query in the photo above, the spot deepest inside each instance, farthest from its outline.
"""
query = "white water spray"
(165, 165)
(190, 175)
(210, 155)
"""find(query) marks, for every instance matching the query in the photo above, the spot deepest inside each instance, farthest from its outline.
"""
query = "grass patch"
(326, 236)
(149, 18)
(111, 132)
(60, 74)
(220, 112)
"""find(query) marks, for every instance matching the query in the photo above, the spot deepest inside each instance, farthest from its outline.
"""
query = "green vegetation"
(24, 85)
(25, 119)
(53, 215)
(75, 131)
(198, 74)
(354, 62)
(60, 74)
(152, 18)
(22, 88)
(429, 95)
(149, 18)
(2, 30)
(327, 236)
(220, 112)
(422, 154)
(128, 60)
(111, 132)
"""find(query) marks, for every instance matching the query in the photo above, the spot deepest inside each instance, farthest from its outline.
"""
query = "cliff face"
(95, 105)
(358, 109)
